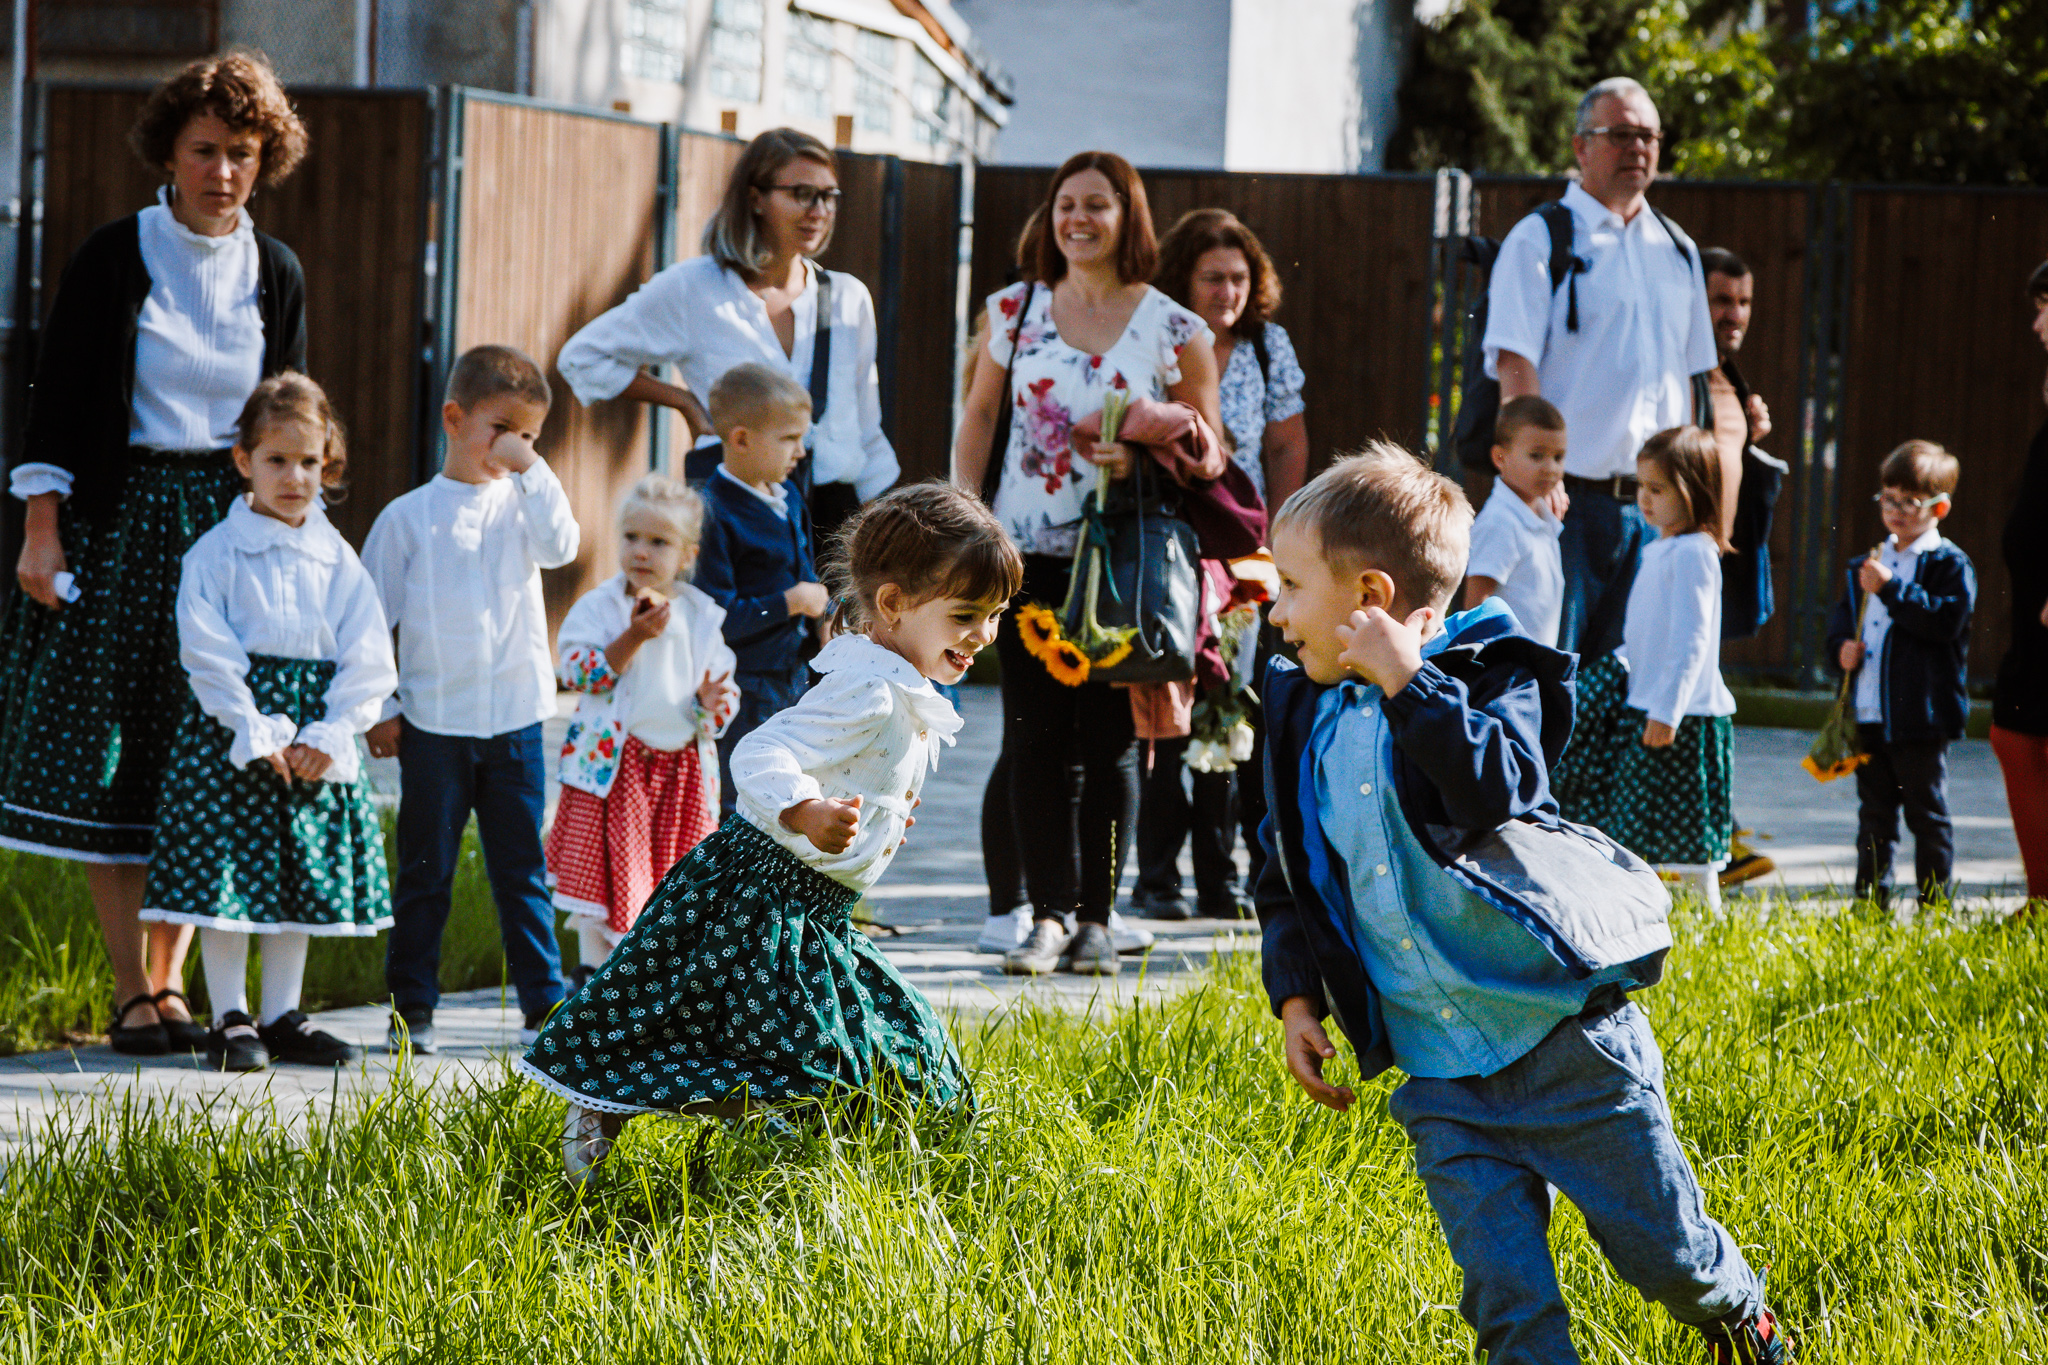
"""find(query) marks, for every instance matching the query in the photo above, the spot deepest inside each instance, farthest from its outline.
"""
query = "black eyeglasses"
(1624, 137)
(809, 197)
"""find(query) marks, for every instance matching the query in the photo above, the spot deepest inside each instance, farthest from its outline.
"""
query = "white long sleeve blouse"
(700, 317)
(458, 567)
(1671, 639)
(871, 729)
(253, 585)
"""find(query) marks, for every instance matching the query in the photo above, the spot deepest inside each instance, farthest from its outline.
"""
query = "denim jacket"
(1926, 648)
(1475, 733)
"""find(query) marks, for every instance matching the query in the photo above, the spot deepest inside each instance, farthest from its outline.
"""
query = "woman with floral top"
(1084, 321)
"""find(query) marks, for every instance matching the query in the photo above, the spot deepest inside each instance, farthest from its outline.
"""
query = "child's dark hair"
(930, 540)
(1922, 468)
(291, 397)
(1530, 410)
(1691, 459)
(486, 371)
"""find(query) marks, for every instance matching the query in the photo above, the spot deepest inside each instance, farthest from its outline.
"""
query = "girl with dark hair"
(163, 324)
(2019, 708)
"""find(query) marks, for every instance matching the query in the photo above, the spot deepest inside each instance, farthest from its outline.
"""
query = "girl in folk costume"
(744, 984)
(266, 826)
(639, 764)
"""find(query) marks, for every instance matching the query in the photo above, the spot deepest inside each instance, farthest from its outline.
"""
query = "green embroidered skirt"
(90, 694)
(1674, 805)
(743, 978)
(242, 849)
(1582, 780)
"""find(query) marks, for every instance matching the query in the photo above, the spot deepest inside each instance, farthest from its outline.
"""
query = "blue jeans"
(761, 696)
(1601, 545)
(1583, 1113)
(442, 779)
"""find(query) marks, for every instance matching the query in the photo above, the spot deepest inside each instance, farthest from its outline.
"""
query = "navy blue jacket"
(1475, 734)
(748, 559)
(1926, 649)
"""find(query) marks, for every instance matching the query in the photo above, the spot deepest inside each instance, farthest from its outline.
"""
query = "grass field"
(1866, 1103)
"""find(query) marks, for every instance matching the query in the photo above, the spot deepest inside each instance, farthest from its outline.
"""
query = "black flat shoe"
(185, 1035)
(144, 1040)
(235, 1045)
(291, 1037)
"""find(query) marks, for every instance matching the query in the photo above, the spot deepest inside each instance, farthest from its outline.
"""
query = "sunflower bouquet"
(1092, 645)
(1837, 750)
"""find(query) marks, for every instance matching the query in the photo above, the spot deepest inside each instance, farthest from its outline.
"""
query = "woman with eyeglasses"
(755, 295)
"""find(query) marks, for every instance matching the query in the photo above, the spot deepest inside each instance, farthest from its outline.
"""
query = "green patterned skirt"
(743, 978)
(1582, 780)
(1674, 805)
(242, 849)
(91, 694)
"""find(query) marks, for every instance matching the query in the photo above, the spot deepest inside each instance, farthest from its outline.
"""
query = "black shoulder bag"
(1151, 580)
(999, 440)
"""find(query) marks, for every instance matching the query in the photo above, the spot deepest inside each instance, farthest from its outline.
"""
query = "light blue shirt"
(1465, 991)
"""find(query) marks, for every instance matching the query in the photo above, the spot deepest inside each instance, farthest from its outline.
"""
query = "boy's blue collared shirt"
(1465, 991)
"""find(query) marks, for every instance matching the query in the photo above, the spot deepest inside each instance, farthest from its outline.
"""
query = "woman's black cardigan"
(84, 390)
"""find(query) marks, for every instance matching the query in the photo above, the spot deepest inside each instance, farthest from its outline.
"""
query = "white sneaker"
(584, 1144)
(1128, 938)
(1001, 933)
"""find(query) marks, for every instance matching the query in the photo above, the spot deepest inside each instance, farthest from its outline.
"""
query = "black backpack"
(1479, 400)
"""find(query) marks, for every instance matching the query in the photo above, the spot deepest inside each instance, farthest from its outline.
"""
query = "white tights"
(593, 940)
(225, 954)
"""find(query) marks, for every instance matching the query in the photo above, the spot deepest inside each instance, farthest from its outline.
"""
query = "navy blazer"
(747, 560)
(1475, 734)
(1922, 678)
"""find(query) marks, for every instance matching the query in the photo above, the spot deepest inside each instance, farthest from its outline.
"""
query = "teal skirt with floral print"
(242, 849)
(744, 979)
(91, 693)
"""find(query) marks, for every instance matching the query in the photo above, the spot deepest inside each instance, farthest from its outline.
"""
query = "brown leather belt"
(1619, 487)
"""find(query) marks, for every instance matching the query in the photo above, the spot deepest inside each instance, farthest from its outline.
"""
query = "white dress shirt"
(458, 566)
(1516, 546)
(701, 317)
(1671, 639)
(253, 585)
(871, 729)
(1877, 622)
(1644, 330)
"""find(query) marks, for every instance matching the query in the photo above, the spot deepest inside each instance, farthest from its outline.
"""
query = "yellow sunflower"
(1067, 663)
(1040, 629)
(1116, 655)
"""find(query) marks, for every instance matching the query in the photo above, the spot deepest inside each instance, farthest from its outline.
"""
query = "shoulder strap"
(999, 440)
(1564, 266)
(1264, 358)
(821, 348)
(1676, 240)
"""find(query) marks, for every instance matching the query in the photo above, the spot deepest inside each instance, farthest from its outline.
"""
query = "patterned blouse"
(1052, 384)
(1246, 410)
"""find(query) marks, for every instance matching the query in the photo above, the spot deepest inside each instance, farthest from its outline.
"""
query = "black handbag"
(1150, 582)
(999, 439)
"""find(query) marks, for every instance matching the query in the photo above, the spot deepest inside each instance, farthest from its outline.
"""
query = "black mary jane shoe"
(236, 1045)
(143, 1040)
(185, 1035)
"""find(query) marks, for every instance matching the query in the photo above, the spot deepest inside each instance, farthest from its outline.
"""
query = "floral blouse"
(1052, 384)
(1247, 409)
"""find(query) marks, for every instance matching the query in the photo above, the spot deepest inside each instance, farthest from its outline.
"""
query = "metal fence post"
(889, 303)
(659, 457)
(444, 276)
(1453, 221)
(1822, 359)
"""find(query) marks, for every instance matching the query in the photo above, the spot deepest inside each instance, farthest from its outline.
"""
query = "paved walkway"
(935, 899)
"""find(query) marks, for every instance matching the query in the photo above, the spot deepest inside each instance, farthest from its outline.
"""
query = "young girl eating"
(266, 825)
(639, 764)
(744, 984)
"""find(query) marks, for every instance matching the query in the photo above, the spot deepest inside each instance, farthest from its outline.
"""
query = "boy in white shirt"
(457, 563)
(1514, 539)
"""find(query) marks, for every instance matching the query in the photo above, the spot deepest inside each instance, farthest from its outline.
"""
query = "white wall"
(1313, 83)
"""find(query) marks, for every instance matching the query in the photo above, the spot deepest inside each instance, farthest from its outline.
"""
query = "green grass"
(55, 983)
(1866, 1104)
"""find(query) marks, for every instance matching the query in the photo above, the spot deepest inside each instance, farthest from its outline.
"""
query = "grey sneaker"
(1091, 952)
(1039, 954)
(585, 1143)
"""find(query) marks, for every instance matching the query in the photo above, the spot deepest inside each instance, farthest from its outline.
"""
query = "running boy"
(1515, 553)
(756, 556)
(457, 563)
(1420, 887)
(1910, 704)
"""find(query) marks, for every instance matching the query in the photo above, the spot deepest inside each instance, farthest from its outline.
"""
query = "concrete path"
(934, 898)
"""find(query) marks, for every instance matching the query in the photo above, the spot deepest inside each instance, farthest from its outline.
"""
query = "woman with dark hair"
(1084, 321)
(758, 294)
(163, 324)
(2019, 708)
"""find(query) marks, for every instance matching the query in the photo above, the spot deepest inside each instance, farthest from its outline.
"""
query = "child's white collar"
(253, 533)
(859, 655)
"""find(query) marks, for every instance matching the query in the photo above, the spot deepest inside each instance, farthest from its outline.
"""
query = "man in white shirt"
(457, 563)
(1615, 346)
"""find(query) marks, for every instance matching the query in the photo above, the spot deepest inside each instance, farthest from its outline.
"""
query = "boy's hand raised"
(1382, 650)
(513, 452)
(830, 825)
(1308, 1047)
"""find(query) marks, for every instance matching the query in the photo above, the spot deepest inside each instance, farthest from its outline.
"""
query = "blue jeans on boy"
(761, 696)
(1601, 545)
(504, 780)
(1584, 1113)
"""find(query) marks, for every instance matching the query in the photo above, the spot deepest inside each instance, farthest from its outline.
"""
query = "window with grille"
(931, 104)
(807, 67)
(736, 50)
(654, 45)
(874, 87)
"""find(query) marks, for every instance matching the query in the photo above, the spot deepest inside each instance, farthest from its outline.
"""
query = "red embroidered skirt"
(607, 853)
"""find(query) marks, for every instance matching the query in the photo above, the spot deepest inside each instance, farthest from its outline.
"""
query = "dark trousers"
(1912, 776)
(1168, 816)
(1073, 841)
(504, 780)
(999, 860)
(761, 696)
(1601, 545)
(831, 504)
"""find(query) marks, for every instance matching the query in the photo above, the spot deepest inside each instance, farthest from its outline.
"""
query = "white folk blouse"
(700, 317)
(253, 585)
(871, 729)
(655, 699)
(1671, 639)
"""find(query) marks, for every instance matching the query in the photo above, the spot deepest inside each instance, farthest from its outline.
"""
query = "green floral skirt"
(1582, 780)
(1674, 805)
(242, 849)
(91, 694)
(743, 978)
